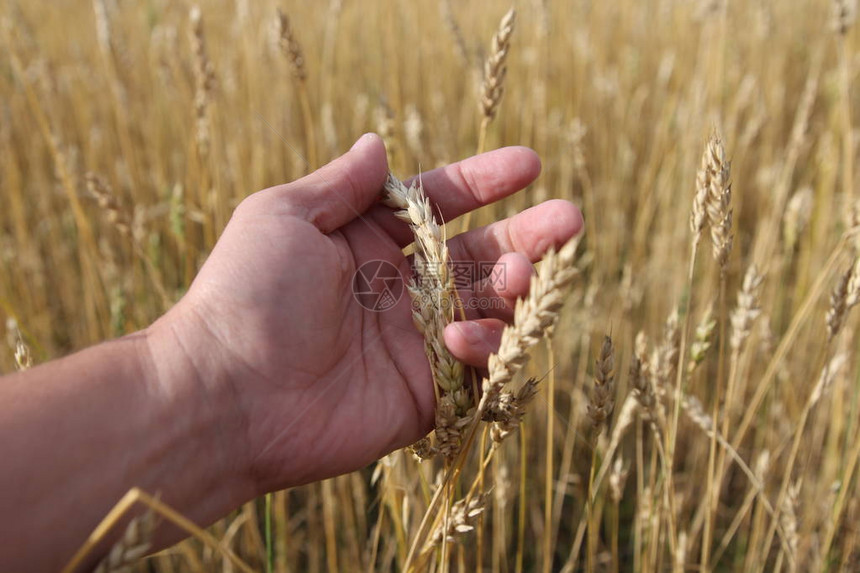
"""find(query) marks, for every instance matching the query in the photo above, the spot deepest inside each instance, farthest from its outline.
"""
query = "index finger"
(461, 187)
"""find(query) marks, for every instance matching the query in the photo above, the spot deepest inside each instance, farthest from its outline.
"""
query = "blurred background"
(130, 130)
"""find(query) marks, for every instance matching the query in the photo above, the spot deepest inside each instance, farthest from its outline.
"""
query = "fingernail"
(472, 333)
(362, 141)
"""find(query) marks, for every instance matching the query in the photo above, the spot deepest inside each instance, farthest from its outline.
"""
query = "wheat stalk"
(495, 69)
(459, 41)
(126, 226)
(493, 86)
(107, 200)
(293, 51)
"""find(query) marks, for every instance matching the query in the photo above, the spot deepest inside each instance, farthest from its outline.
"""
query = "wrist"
(182, 370)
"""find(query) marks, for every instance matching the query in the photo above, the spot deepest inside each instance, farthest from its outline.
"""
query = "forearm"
(77, 433)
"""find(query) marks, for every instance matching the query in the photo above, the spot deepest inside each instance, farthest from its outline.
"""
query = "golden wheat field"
(697, 404)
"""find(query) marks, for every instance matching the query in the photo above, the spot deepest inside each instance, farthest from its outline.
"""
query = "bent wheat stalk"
(533, 317)
(433, 294)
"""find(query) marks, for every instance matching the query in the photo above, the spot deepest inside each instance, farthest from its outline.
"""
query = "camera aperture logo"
(377, 285)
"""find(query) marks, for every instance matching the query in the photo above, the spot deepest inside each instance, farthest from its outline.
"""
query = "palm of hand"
(325, 385)
(311, 356)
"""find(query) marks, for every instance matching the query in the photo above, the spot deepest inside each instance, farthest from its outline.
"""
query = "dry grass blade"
(124, 505)
(132, 546)
(696, 413)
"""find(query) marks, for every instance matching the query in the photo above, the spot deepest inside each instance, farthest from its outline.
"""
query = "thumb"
(337, 193)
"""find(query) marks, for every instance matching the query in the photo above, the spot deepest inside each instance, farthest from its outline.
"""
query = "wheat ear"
(533, 316)
(23, 357)
(495, 69)
(204, 81)
(713, 181)
(433, 294)
(602, 399)
(845, 296)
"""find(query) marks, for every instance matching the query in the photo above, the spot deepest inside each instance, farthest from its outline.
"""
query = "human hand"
(320, 384)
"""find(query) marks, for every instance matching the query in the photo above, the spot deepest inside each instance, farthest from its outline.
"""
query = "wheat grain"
(423, 449)
(463, 515)
(508, 411)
